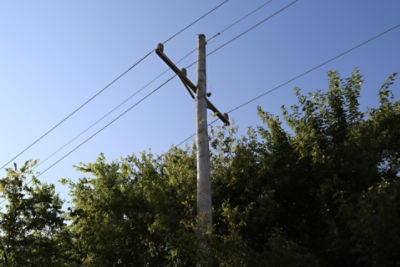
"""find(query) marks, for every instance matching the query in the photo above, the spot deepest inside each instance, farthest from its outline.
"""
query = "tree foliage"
(320, 189)
(31, 223)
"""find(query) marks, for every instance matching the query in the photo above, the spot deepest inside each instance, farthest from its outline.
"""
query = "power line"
(224, 30)
(100, 130)
(247, 30)
(111, 83)
(148, 84)
(76, 110)
(108, 124)
(253, 27)
(126, 100)
(210, 39)
(93, 135)
(316, 67)
(302, 74)
(106, 115)
(240, 19)
(99, 120)
(197, 20)
(190, 65)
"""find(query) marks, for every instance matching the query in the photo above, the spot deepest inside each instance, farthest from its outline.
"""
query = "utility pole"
(203, 150)
(204, 211)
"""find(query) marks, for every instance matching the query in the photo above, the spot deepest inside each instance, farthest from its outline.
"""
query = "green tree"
(135, 212)
(323, 169)
(318, 188)
(284, 198)
(31, 223)
(298, 197)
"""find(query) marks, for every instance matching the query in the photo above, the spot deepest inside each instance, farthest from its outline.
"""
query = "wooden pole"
(203, 152)
(204, 211)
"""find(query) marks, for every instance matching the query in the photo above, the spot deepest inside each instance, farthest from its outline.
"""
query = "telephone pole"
(203, 151)
(204, 211)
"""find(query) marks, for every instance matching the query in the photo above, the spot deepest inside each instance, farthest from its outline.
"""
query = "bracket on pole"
(183, 70)
(188, 84)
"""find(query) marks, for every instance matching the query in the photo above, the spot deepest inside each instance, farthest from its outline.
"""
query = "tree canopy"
(318, 186)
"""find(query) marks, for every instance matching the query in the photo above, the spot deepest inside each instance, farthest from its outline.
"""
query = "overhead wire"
(301, 75)
(111, 83)
(225, 29)
(197, 20)
(239, 106)
(188, 66)
(100, 130)
(161, 74)
(99, 120)
(108, 124)
(75, 110)
(239, 20)
(106, 114)
(253, 27)
(151, 82)
(248, 30)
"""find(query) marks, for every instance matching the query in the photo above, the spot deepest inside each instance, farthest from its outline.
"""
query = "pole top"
(160, 47)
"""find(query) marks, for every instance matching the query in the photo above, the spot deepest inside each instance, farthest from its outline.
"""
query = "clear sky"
(54, 55)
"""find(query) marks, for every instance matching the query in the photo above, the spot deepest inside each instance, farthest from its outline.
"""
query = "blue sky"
(54, 55)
